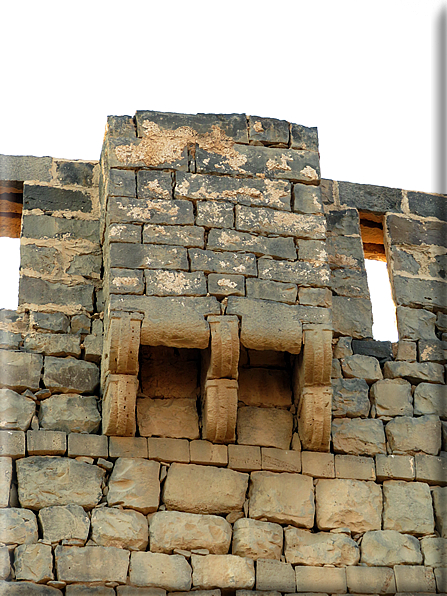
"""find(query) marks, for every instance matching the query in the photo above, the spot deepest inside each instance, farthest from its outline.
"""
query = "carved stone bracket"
(221, 360)
(313, 390)
(219, 410)
(119, 372)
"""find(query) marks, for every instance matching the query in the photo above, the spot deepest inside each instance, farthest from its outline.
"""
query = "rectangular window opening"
(11, 205)
(383, 306)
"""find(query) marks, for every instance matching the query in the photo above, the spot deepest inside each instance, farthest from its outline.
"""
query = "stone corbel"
(219, 380)
(119, 380)
(313, 390)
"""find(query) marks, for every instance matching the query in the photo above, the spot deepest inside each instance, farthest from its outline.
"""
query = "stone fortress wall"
(191, 397)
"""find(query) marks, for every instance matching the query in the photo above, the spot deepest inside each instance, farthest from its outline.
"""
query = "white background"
(368, 74)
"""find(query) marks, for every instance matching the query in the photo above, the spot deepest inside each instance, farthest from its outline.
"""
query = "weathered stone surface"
(352, 316)
(313, 251)
(415, 323)
(16, 410)
(5, 565)
(175, 283)
(25, 167)
(222, 571)
(264, 387)
(12, 443)
(170, 530)
(268, 221)
(20, 370)
(69, 375)
(257, 539)
(69, 523)
(148, 256)
(275, 575)
(86, 590)
(91, 564)
(244, 458)
(121, 183)
(17, 526)
(127, 447)
(407, 507)
(314, 415)
(382, 350)
(33, 562)
(153, 185)
(267, 427)
(355, 467)
(345, 251)
(27, 589)
(134, 483)
(353, 504)
(154, 211)
(134, 591)
(322, 579)
(350, 398)
(434, 551)
(215, 214)
(54, 198)
(322, 548)
(203, 489)
(5, 480)
(124, 233)
(118, 407)
(433, 351)
(260, 192)
(167, 372)
(206, 453)
(395, 467)
(356, 436)
(125, 281)
(440, 506)
(157, 570)
(293, 272)
(171, 321)
(268, 131)
(318, 464)
(267, 325)
(175, 418)
(415, 579)
(361, 367)
(386, 548)
(304, 137)
(403, 230)
(9, 340)
(53, 345)
(410, 435)
(70, 413)
(282, 498)
(168, 450)
(222, 262)
(119, 527)
(36, 291)
(373, 579)
(219, 410)
(369, 198)
(414, 372)
(419, 293)
(226, 285)
(223, 358)
(307, 199)
(231, 240)
(349, 282)
(431, 469)
(392, 397)
(271, 290)
(48, 226)
(315, 297)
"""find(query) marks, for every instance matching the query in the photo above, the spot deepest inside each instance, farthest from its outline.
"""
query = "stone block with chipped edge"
(121, 343)
(5, 563)
(257, 539)
(134, 483)
(386, 548)
(122, 528)
(219, 410)
(91, 564)
(168, 450)
(12, 443)
(128, 447)
(244, 458)
(431, 469)
(175, 283)
(222, 262)
(392, 397)
(18, 526)
(274, 575)
(87, 445)
(231, 240)
(70, 413)
(414, 372)
(430, 399)
(206, 453)
(439, 495)
(323, 579)
(222, 571)
(407, 507)
(204, 489)
(299, 272)
(280, 460)
(355, 467)
(434, 551)
(350, 398)
(267, 325)
(33, 562)
(345, 503)
(358, 436)
(264, 387)
(68, 523)
(153, 184)
(20, 370)
(414, 578)
(372, 579)
(215, 214)
(317, 464)
(158, 570)
(124, 281)
(266, 427)
(174, 418)
(395, 467)
(282, 498)
(171, 530)
(317, 549)
(220, 285)
(16, 411)
(68, 375)
(46, 442)
(315, 297)
(5, 480)
(408, 435)
(135, 591)
(263, 289)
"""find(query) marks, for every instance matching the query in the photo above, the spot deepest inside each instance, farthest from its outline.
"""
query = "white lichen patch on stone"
(174, 282)
(274, 191)
(121, 282)
(226, 283)
(144, 212)
(309, 173)
(160, 145)
(282, 165)
(257, 126)
(116, 230)
(154, 186)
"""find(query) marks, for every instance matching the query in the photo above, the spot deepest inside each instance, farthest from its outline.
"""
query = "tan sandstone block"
(407, 507)
(168, 450)
(87, 445)
(204, 489)
(127, 447)
(355, 467)
(167, 373)
(17, 526)
(244, 458)
(222, 571)
(69, 523)
(122, 528)
(118, 409)
(219, 410)
(134, 483)
(314, 417)
(280, 460)
(12, 443)
(46, 442)
(266, 427)
(223, 358)
(370, 579)
(392, 397)
(274, 575)
(434, 551)
(411, 578)
(5, 480)
(440, 505)
(386, 548)
(395, 467)
(91, 564)
(431, 469)
(321, 579)
(318, 464)
(352, 504)
(172, 418)
(157, 570)
(206, 453)
(5, 563)
(264, 387)
(321, 548)
(34, 563)
(170, 530)
(283, 498)
(257, 539)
